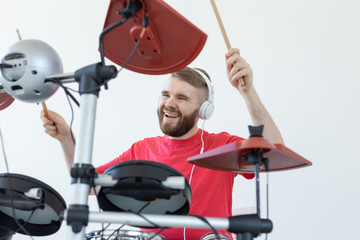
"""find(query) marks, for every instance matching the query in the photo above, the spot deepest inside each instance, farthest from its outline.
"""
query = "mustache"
(171, 109)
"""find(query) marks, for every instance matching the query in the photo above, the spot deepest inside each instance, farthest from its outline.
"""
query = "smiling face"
(178, 108)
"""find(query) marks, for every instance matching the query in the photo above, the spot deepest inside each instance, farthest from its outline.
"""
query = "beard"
(184, 125)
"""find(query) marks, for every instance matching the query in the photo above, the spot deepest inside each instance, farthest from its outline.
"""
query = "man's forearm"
(68, 148)
(260, 116)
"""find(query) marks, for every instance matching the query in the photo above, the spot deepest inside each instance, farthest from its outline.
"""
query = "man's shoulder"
(224, 137)
(150, 140)
(221, 134)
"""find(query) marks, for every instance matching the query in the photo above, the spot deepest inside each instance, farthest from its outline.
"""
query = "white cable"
(202, 134)
(191, 174)
(192, 169)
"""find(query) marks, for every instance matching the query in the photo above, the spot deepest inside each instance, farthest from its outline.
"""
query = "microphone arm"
(63, 77)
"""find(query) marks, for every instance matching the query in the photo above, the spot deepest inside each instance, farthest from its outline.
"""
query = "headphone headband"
(207, 107)
(208, 83)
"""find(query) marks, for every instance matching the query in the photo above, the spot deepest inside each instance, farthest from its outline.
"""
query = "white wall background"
(304, 55)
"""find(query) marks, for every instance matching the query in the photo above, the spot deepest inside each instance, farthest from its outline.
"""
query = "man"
(178, 111)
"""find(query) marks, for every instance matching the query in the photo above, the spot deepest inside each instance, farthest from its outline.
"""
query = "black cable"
(72, 97)
(66, 89)
(125, 63)
(207, 222)
(28, 220)
(138, 212)
(10, 192)
(145, 205)
(131, 54)
(116, 230)
(72, 119)
(157, 233)
(267, 196)
(128, 12)
(267, 199)
(67, 92)
(105, 31)
(266, 163)
(145, 24)
(154, 224)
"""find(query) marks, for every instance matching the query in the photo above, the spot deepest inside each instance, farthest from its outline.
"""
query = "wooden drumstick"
(44, 108)
(42, 103)
(222, 28)
(18, 33)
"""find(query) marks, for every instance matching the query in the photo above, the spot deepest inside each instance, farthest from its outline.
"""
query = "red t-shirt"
(211, 189)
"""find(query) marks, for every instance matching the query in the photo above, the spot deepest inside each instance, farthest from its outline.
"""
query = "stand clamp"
(86, 174)
(91, 77)
(249, 226)
(78, 214)
(77, 217)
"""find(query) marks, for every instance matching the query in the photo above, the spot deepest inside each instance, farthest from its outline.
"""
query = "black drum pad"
(30, 203)
(140, 189)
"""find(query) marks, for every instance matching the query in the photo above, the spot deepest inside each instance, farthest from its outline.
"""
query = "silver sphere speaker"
(31, 62)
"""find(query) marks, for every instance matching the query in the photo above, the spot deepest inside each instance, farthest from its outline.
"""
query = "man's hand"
(55, 126)
(237, 68)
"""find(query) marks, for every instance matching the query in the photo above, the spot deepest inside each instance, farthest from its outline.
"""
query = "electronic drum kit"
(31, 207)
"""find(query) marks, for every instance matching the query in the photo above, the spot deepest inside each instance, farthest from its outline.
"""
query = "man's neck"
(187, 135)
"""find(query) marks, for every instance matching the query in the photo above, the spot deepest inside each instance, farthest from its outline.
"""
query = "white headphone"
(207, 107)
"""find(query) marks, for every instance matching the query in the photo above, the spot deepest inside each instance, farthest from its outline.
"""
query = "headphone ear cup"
(206, 110)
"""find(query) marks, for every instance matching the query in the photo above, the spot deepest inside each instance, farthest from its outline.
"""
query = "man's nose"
(170, 102)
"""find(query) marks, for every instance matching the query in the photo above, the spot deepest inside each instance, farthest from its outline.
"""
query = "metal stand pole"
(90, 79)
(244, 236)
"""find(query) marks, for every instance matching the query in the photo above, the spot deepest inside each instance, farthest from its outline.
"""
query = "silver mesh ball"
(32, 61)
